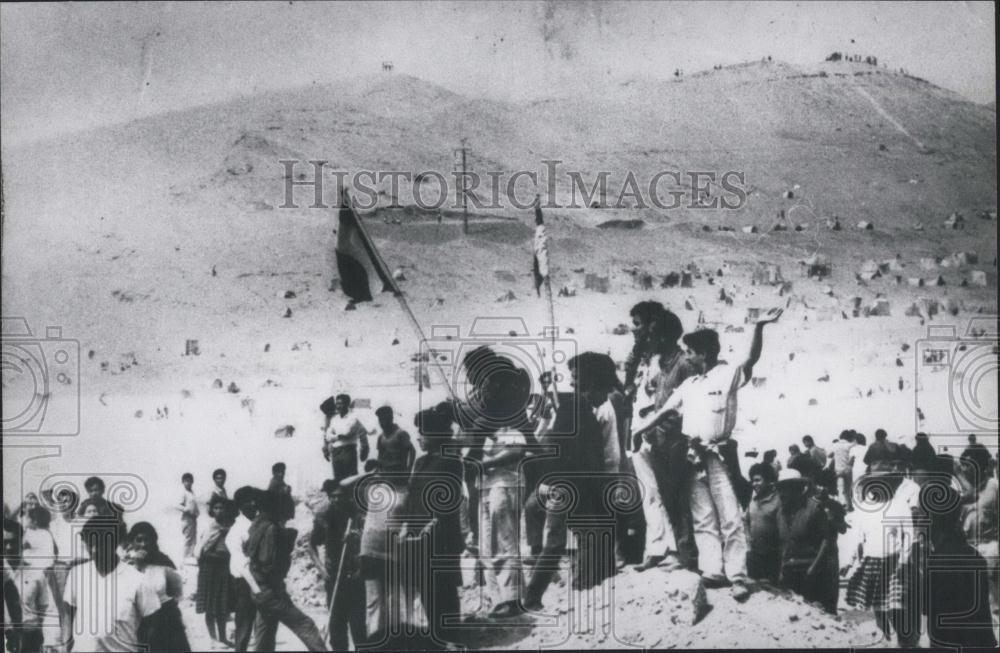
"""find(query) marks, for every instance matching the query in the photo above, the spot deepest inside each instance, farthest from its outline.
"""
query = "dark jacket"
(435, 491)
(958, 604)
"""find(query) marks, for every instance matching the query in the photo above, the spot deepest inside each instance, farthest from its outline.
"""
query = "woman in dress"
(215, 597)
(164, 629)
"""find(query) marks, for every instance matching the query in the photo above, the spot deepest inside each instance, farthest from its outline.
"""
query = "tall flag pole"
(362, 269)
(542, 279)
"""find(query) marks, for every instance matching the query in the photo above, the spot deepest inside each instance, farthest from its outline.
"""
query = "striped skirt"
(882, 584)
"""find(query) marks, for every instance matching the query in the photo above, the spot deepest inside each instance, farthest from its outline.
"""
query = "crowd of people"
(647, 459)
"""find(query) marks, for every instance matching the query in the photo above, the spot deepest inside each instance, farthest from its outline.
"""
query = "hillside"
(136, 238)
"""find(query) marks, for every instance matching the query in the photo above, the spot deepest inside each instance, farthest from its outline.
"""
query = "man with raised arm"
(707, 404)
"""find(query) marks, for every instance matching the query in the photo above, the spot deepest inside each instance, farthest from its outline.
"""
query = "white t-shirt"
(708, 402)
(509, 474)
(608, 420)
(108, 608)
(236, 540)
(166, 582)
(39, 548)
(344, 431)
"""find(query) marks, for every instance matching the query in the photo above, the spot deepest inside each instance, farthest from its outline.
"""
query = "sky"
(72, 66)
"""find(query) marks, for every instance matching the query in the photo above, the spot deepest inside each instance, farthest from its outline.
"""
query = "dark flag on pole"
(541, 262)
(363, 273)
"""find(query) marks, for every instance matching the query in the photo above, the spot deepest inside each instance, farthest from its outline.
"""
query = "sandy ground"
(137, 238)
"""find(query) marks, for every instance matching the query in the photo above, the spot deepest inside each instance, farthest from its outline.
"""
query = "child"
(188, 507)
(215, 584)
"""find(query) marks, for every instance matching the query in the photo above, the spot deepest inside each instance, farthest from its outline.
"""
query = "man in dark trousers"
(339, 531)
(269, 555)
(577, 437)
(432, 529)
(244, 587)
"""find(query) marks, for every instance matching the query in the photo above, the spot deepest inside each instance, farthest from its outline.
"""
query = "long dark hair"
(153, 554)
(666, 329)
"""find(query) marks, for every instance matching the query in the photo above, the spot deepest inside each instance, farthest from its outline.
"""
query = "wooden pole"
(465, 208)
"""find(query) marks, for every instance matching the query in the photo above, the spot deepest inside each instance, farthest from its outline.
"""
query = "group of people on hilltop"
(400, 525)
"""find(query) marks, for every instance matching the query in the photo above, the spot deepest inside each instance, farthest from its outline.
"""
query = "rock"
(937, 281)
(289, 294)
(620, 330)
(779, 226)
(217, 383)
(233, 388)
(671, 280)
(597, 283)
(878, 308)
(788, 195)
(508, 296)
(687, 281)
(864, 225)
(567, 292)
(286, 431)
(687, 305)
(693, 600)
(138, 414)
(398, 275)
(918, 227)
(870, 270)
(813, 402)
(825, 378)
(928, 264)
(916, 282)
(834, 225)
(978, 278)
(267, 347)
(749, 229)
(288, 313)
(955, 221)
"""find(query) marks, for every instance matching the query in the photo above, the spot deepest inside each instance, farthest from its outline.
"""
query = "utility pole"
(465, 208)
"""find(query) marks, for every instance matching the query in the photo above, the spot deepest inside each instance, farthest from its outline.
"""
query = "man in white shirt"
(343, 437)
(500, 517)
(105, 598)
(707, 403)
(245, 610)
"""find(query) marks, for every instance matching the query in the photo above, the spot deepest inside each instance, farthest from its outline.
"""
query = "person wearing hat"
(707, 403)
(338, 530)
(809, 555)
